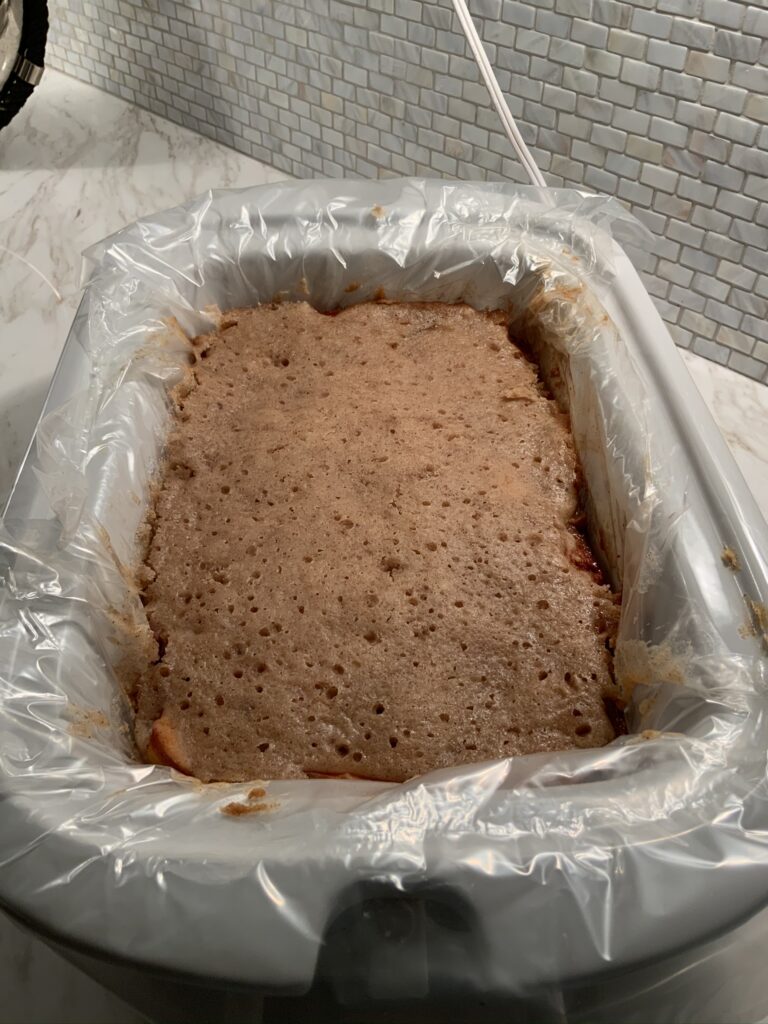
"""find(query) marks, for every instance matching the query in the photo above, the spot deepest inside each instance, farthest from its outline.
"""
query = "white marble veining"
(74, 166)
(740, 408)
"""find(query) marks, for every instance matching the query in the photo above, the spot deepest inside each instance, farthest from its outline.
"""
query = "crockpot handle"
(417, 956)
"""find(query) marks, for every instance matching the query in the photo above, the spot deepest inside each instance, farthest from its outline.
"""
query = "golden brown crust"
(165, 747)
(361, 560)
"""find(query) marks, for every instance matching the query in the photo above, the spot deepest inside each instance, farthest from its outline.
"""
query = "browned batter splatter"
(730, 559)
(85, 721)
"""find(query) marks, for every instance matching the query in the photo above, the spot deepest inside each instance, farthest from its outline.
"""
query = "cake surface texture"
(360, 555)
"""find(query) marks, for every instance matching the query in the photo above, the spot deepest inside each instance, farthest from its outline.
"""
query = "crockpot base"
(537, 878)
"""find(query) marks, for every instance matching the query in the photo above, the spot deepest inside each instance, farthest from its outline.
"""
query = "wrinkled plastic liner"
(610, 851)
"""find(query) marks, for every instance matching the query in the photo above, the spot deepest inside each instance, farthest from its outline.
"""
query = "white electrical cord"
(497, 97)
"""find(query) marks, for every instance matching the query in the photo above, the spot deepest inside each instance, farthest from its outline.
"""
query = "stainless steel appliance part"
(23, 31)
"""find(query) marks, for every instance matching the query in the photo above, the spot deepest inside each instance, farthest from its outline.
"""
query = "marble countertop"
(76, 165)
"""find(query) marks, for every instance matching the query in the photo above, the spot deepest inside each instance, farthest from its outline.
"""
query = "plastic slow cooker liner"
(611, 852)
